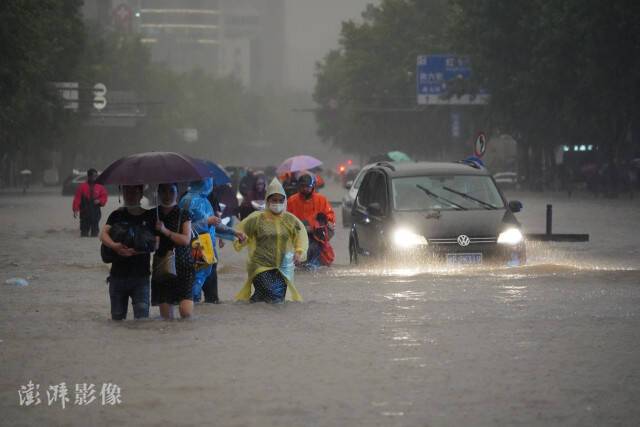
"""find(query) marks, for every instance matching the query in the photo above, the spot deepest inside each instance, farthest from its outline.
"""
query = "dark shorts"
(270, 287)
(121, 289)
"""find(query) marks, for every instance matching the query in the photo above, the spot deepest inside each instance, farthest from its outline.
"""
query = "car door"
(368, 221)
(360, 216)
(353, 191)
(350, 197)
(378, 217)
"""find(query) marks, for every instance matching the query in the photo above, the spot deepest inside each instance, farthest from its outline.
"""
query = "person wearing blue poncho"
(203, 220)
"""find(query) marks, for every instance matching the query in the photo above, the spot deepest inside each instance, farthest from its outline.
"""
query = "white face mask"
(276, 208)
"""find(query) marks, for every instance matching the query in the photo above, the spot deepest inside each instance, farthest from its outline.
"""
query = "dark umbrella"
(154, 168)
(220, 176)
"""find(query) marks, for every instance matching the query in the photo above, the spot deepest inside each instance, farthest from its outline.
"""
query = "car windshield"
(445, 192)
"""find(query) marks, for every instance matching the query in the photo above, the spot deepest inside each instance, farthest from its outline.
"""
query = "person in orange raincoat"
(316, 213)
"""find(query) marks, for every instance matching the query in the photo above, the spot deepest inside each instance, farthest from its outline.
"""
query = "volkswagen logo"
(463, 240)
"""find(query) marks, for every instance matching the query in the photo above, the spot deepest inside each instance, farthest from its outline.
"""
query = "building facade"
(241, 38)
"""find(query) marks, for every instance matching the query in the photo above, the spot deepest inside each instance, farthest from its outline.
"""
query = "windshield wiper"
(439, 197)
(466, 196)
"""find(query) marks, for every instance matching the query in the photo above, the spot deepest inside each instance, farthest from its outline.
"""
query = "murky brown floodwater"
(555, 342)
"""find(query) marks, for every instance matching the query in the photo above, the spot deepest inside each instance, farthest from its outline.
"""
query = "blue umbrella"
(219, 175)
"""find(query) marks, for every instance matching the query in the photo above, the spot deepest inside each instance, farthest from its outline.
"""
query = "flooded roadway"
(556, 342)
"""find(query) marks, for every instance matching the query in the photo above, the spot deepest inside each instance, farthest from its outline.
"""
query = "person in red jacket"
(316, 213)
(89, 198)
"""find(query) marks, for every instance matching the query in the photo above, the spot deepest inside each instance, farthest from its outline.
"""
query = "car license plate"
(464, 258)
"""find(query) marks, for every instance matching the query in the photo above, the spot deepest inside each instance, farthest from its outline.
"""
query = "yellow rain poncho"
(271, 239)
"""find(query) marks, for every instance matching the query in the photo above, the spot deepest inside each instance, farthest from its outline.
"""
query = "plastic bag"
(17, 281)
(287, 267)
(135, 236)
(202, 251)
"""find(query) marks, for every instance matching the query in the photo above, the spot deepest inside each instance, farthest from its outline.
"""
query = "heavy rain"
(325, 213)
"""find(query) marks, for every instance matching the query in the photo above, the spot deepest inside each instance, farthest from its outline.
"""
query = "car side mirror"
(515, 206)
(374, 209)
(348, 184)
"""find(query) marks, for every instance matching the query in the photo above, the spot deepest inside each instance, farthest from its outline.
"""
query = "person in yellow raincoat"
(277, 240)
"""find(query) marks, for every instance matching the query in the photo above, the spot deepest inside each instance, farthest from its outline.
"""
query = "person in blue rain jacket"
(203, 220)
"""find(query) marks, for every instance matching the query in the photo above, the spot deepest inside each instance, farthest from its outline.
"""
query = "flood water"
(554, 342)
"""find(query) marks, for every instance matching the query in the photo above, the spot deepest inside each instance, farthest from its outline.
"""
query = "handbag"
(164, 267)
(108, 255)
(119, 233)
(135, 236)
(143, 239)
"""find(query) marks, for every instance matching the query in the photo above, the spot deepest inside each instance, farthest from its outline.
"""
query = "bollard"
(550, 237)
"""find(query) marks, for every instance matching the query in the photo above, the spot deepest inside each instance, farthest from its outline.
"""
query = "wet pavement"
(556, 342)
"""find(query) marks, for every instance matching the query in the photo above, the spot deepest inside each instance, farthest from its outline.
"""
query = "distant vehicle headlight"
(408, 239)
(512, 236)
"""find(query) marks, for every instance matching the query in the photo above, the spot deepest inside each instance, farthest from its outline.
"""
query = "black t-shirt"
(136, 265)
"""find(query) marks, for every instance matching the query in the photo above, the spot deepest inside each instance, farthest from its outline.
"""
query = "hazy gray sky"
(313, 28)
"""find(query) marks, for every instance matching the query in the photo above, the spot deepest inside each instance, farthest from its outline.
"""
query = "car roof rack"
(386, 165)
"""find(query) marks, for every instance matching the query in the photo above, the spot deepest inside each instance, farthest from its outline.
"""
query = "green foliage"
(46, 41)
(365, 87)
(558, 72)
(39, 42)
(566, 61)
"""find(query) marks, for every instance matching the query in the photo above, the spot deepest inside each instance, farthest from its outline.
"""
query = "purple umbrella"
(154, 168)
(298, 163)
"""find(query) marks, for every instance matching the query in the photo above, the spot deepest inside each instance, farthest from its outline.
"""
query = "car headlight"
(408, 239)
(512, 236)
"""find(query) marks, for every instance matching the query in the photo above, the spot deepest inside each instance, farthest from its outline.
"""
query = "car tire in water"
(353, 252)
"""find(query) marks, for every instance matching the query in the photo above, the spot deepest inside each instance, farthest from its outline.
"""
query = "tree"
(366, 88)
(557, 71)
(39, 42)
